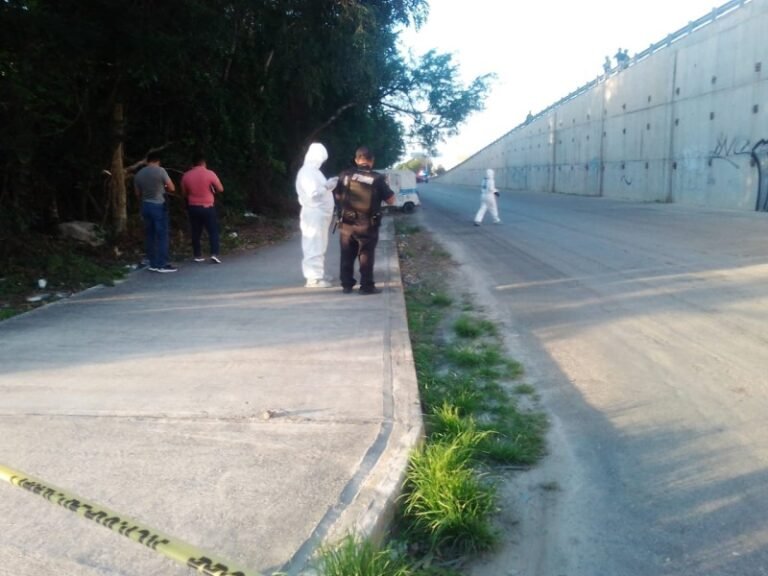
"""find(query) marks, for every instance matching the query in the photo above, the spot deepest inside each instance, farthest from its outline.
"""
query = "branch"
(136, 165)
(328, 122)
(267, 64)
(408, 112)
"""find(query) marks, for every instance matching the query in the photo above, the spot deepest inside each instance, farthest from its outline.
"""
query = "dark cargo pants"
(358, 242)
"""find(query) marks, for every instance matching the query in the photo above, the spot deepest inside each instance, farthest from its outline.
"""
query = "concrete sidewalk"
(226, 406)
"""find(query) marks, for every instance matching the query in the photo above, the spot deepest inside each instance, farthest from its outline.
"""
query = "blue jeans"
(201, 218)
(155, 233)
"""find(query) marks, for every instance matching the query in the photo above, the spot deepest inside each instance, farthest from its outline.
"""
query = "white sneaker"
(317, 283)
(215, 259)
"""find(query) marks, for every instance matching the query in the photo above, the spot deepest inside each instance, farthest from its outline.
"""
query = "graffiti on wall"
(730, 149)
(759, 153)
(727, 149)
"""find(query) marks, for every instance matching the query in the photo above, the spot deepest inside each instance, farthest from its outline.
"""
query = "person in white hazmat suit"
(316, 199)
(488, 195)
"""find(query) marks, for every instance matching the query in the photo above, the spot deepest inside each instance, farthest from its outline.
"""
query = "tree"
(429, 94)
(88, 88)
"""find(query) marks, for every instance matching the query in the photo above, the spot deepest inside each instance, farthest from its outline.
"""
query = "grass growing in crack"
(442, 300)
(355, 557)
(456, 390)
(472, 419)
(525, 389)
(464, 378)
(447, 504)
(447, 421)
(467, 326)
(518, 439)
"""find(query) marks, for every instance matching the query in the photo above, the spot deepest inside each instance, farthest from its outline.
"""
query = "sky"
(540, 50)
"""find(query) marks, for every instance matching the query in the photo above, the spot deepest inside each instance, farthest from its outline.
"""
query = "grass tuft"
(441, 299)
(467, 326)
(354, 557)
(525, 390)
(447, 504)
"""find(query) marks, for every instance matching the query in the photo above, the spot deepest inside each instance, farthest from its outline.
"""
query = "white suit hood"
(311, 182)
(488, 185)
(315, 156)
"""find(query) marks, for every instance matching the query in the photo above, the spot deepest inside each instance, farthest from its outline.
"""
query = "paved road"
(645, 326)
(226, 406)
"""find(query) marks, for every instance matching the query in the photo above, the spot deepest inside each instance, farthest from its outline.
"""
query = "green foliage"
(525, 389)
(250, 83)
(472, 420)
(6, 313)
(469, 327)
(456, 390)
(447, 505)
(433, 79)
(441, 299)
(354, 557)
(518, 438)
(465, 356)
(406, 228)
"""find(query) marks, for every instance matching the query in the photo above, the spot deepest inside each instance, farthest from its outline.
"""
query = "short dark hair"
(198, 158)
(153, 156)
(363, 153)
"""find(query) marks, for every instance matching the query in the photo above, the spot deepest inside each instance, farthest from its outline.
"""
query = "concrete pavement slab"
(225, 405)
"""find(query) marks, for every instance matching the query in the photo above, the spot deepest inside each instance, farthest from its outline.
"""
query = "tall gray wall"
(686, 121)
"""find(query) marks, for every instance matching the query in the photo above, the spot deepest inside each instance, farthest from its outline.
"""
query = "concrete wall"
(686, 121)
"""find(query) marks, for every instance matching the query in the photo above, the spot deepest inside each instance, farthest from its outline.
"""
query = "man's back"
(150, 181)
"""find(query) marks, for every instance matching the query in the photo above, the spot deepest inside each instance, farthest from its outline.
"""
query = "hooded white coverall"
(316, 199)
(488, 199)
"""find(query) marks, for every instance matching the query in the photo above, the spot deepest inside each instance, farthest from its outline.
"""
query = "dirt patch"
(421, 259)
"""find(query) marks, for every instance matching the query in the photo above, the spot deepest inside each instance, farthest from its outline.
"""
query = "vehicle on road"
(403, 184)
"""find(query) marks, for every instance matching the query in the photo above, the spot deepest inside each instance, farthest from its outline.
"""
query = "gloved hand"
(496, 194)
(330, 184)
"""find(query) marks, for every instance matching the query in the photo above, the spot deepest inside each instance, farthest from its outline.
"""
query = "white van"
(403, 184)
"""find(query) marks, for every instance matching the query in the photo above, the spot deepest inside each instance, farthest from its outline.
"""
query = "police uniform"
(358, 195)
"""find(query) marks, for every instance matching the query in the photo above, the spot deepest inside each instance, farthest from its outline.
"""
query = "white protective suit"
(488, 199)
(316, 199)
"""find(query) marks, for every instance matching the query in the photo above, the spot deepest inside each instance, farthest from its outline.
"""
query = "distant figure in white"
(316, 199)
(488, 195)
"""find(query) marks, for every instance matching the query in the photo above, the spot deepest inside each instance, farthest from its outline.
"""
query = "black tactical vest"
(360, 194)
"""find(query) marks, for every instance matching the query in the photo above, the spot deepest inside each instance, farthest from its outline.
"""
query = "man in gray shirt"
(151, 184)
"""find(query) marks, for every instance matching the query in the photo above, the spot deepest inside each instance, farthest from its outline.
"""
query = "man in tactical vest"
(358, 196)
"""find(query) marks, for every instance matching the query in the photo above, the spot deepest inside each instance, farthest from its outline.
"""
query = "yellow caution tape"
(169, 547)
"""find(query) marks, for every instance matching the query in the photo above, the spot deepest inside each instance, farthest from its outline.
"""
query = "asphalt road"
(645, 327)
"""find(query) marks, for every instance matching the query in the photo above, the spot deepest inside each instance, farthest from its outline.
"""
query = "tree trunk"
(118, 193)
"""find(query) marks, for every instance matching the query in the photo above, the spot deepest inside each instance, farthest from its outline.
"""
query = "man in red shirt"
(200, 185)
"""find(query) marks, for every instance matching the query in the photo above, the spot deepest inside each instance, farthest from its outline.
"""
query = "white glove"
(331, 183)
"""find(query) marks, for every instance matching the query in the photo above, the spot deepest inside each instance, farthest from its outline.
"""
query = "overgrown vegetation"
(361, 558)
(476, 428)
(87, 89)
